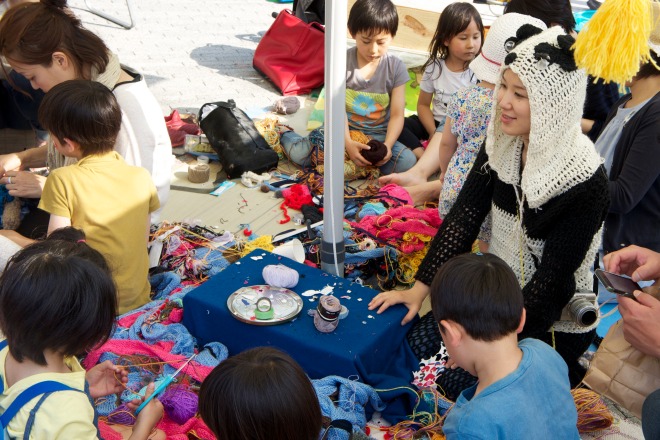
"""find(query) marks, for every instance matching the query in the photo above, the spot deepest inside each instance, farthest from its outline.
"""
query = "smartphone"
(618, 284)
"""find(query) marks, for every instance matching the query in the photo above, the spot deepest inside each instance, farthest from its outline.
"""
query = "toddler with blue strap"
(58, 299)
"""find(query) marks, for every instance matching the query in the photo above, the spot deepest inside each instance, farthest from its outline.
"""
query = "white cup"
(291, 249)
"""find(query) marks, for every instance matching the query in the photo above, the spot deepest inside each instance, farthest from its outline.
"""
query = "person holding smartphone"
(641, 318)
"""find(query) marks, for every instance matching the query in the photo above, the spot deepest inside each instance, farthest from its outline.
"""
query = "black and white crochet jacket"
(552, 253)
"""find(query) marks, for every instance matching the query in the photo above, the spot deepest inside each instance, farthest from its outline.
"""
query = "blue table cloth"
(365, 346)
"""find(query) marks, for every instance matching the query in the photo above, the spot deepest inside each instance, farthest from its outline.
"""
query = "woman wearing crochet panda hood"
(543, 182)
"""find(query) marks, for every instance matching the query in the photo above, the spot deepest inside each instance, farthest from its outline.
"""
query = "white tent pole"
(332, 246)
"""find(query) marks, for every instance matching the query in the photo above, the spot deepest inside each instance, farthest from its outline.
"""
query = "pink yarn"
(394, 190)
(161, 350)
(394, 223)
(195, 426)
(176, 315)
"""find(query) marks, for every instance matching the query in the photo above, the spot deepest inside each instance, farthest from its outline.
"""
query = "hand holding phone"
(618, 284)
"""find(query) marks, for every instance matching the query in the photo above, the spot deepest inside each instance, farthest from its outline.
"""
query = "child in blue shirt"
(523, 389)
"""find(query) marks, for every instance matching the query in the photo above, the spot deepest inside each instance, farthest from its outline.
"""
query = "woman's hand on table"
(411, 298)
(24, 184)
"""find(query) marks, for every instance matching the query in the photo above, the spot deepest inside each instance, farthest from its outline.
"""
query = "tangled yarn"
(593, 414)
(351, 171)
(268, 129)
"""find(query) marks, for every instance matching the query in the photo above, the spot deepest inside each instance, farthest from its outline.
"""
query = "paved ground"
(190, 52)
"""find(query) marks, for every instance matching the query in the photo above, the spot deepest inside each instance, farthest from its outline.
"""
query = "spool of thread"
(344, 312)
(199, 173)
(179, 404)
(327, 314)
(203, 159)
(279, 275)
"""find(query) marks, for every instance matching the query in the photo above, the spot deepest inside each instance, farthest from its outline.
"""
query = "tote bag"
(291, 54)
(622, 373)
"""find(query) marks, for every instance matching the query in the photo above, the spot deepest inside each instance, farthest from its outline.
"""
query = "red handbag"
(291, 54)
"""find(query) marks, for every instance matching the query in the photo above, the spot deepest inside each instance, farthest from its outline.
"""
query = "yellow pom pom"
(615, 40)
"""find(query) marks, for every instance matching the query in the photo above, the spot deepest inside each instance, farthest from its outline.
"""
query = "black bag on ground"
(234, 137)
(310, 11)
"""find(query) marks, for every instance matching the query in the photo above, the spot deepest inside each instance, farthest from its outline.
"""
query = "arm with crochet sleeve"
(461, 226)
(553, 283)
(640, 165)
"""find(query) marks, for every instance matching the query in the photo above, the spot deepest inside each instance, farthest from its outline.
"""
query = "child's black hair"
(83, 111)
(550, 12)
(56, 295)
(648, 69)
(260, 394)
(479, 292)
(454, 19)
(373, 17)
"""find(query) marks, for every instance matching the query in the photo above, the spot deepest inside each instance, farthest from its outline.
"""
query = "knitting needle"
(163, 385)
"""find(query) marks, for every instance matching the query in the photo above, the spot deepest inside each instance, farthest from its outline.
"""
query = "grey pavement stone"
(191, 52)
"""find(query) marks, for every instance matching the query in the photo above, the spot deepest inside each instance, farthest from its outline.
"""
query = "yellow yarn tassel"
(615, 40)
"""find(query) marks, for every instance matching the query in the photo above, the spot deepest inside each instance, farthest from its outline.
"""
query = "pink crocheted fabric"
(394, 190)
(161, 350)
(394, 223)
(193, 428)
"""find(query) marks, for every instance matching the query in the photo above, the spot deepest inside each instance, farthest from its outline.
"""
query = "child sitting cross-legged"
(523, 389)
(57, 300)
(375, 94)
(100, 194)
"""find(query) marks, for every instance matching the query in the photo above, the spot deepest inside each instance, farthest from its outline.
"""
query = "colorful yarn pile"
(408, 263)
(423, 424)
(406, 228)
(351, 171)
(593, 414)
(279, 275)
(268, 129)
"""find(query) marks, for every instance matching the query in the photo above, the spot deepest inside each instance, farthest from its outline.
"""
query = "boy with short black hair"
(375, 91)
(101, 194)
(523, 389)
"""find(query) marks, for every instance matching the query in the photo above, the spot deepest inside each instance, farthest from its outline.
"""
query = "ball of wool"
(376, 153)
(278, 275)
(179, 404)
(287, 105)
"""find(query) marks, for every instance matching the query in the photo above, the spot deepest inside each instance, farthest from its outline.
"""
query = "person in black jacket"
(630, 145)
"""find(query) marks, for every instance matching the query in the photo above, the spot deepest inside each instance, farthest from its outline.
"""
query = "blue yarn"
(372, 209)
(163, 284)
(349, 405)
(216, 262)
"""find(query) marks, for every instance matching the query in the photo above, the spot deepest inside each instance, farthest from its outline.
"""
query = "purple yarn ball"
(180, 404)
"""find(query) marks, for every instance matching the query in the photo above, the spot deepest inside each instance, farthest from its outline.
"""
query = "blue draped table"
(365, 346)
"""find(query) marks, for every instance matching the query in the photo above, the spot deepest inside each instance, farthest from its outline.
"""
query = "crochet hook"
(163, 385)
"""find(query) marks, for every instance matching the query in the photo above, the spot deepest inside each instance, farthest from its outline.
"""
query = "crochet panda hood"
(559, 156)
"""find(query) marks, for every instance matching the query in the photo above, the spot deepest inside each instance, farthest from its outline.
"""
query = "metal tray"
(286, 304)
